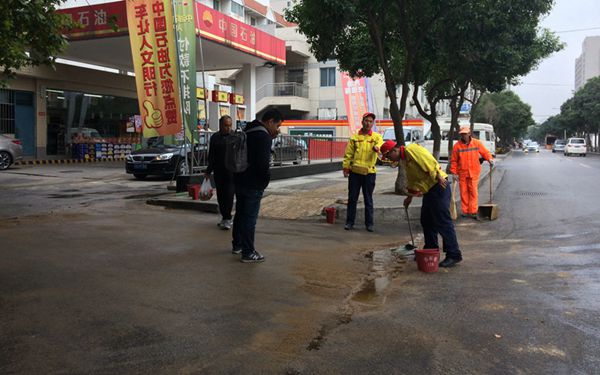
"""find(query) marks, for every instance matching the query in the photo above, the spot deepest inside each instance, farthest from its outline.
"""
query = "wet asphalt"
(101, 284)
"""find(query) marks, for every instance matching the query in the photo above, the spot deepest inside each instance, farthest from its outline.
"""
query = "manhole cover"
(531, 194)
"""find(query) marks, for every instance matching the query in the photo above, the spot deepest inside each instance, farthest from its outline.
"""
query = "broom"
(453, 213)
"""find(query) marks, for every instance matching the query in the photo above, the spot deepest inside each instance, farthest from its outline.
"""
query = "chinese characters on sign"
(97, 20)
(226, 30)
(185, 30)
(154, 56)
(355, 99)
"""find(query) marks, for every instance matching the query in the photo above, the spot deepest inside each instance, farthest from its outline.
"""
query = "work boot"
(370, 228)
(449, 262)
(475, 217)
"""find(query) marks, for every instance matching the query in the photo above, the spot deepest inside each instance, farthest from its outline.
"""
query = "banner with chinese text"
(355, 99)
(152, 39)
(185, 28)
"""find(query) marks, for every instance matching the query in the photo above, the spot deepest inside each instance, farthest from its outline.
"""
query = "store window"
(327, 77)
(76, 118)
(7, 111)
(217, 5)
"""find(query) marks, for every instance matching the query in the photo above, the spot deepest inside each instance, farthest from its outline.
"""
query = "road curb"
(66, 161)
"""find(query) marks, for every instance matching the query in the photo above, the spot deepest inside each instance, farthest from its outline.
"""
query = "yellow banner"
(155, 64)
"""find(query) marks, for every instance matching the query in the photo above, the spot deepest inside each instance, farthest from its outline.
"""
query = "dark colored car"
(288, 148)
(163, 160)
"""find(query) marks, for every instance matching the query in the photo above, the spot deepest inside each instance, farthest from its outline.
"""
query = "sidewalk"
(304, 198)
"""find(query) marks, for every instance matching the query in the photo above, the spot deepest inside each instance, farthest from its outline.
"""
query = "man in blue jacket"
(251, 184)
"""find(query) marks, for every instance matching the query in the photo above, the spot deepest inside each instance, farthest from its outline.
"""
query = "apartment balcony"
(290, 95)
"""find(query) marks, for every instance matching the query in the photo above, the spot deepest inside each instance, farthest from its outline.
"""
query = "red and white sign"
(355, 99)
(97, 21)
(216, 26)
(110, 19)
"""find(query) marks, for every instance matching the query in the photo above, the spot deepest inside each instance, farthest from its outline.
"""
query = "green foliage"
(509, 115)
(31, 34)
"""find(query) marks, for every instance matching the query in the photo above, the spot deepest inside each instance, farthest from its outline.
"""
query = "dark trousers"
(435, 219)
(356, 182)
(225, 193)
(247, 205)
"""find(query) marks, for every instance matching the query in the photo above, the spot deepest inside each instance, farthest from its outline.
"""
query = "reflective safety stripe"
(469, 149)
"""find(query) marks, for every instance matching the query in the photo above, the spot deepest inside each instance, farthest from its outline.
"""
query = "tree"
(31, 34)
(368, 37)
(507, 112)
(483, 45)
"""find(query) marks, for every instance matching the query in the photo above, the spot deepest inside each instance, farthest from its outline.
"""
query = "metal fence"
(286, 150)
(282, 89)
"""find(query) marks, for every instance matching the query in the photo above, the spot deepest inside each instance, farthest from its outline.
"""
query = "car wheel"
(140, 176)
(5, 160)
(182, 168)
(298, 158)
(553, 151)
(584, 155)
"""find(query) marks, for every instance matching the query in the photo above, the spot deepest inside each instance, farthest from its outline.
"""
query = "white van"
(411, 134)
(483, 132)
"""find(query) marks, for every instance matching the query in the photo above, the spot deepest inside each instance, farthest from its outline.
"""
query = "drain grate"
(531, 194)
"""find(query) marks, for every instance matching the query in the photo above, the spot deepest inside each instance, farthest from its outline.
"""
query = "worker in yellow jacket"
(359, 167)
(464, 163)
(426, 178)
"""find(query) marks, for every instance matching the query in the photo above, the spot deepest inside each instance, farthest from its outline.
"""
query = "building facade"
(587, 65)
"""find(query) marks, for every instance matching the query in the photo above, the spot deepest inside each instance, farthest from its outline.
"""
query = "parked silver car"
(10, 151)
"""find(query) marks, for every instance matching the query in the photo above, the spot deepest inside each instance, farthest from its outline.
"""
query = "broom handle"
(491, 170)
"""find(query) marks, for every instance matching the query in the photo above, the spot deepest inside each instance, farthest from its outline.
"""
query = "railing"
(288, 150)
(282, 89)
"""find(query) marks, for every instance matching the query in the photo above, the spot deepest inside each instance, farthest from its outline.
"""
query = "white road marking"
(585, 165)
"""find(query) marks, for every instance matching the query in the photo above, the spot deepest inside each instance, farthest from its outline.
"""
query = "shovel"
(409, 246)
(490, 210)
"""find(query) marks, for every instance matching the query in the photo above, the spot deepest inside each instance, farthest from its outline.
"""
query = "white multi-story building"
(587, 65)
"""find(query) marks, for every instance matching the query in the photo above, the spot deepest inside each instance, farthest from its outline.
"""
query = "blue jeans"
(356, 182)
(435, 219)
(247, 205)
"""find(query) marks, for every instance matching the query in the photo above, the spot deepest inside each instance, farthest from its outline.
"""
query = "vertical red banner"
(355, 99)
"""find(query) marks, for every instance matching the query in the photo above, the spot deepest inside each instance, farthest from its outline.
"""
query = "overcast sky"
(552, 83)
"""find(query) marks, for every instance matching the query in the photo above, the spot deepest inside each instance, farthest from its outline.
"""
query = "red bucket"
(330, 213)
(194, 191)
(428, 260)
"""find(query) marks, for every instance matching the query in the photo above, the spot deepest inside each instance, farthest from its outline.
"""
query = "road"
(100, 284)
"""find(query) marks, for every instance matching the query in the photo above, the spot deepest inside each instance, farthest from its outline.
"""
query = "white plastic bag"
(206, 190)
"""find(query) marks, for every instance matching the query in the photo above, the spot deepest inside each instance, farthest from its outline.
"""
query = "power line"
(576, 30)
(544, 84)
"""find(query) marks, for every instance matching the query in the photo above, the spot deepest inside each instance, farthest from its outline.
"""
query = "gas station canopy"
(226, 42)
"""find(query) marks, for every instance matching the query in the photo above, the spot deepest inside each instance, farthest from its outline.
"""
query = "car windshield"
(560, 142)
(578, 141)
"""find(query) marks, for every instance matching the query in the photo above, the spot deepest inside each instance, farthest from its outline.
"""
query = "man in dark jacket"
(223, 177)
(251, 184)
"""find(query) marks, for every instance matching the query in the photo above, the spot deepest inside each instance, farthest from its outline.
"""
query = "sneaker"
(449, 262)
(236, 251)
(349, 226)
(227, 224)
(221, 224)
(370, 228)
(253, 257)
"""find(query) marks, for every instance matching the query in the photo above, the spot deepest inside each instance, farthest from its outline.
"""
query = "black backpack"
(236, 149)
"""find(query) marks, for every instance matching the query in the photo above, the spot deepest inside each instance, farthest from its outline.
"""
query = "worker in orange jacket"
(465, 164)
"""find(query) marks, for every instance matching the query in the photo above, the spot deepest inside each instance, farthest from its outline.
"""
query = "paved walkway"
(304, 198)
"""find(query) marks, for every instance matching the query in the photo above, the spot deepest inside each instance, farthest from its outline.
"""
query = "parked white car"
(575, 146)
(10, 151)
